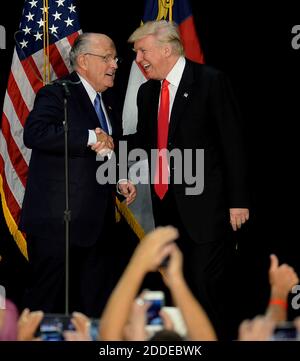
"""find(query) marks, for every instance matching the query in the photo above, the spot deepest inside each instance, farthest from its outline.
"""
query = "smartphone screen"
(51, 332)
(94, 329)
(157, 300)
(285, 332)
(52, 327)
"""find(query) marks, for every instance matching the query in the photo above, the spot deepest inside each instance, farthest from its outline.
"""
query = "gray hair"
(164, 31)
(81, 45)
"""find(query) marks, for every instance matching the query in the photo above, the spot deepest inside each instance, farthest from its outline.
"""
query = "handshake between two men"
(105, 143)
(105, 146)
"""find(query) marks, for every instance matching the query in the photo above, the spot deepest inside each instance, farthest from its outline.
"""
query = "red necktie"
(162, 172)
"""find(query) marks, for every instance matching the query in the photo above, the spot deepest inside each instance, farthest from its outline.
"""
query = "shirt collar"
(89, 89)
(175, 74)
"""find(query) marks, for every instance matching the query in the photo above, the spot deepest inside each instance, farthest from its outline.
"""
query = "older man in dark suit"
(93, 124)
(188, 106)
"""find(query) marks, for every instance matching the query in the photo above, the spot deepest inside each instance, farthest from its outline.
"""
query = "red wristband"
(278, 302)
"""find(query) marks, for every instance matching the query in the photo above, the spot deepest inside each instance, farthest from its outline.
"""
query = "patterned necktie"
(100, 113)
(162, 172)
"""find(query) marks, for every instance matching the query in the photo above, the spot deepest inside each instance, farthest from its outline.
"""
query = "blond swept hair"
(166, 32)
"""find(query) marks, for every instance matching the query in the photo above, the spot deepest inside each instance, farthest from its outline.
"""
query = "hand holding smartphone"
(157, 300)
(53, 326)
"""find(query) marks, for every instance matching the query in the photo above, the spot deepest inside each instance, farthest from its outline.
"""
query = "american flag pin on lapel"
(185, 95)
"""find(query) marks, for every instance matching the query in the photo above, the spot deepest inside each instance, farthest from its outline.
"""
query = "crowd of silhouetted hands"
(125, 315)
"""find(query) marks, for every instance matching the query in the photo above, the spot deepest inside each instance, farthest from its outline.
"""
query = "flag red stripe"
(71, 38)
(57, 61)
(15, 155)
(17, 99)
(33, 74)
(190, 40)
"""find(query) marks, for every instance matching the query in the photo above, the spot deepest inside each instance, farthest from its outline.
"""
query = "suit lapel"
(107, 100)
(84, 102)
(151, 110)
(183, 94)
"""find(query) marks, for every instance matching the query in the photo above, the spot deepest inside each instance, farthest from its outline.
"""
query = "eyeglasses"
(106, 58)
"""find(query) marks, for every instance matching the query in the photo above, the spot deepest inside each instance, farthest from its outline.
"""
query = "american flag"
(47, 30)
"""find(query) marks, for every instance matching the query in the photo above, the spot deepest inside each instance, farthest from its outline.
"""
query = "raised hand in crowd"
(82, 326)
(259, 329)
(282, 278)
(28, 324)
(122, 314)
(147, 257)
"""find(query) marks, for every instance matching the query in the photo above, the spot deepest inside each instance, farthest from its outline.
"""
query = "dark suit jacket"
(204, 116)
(44, 201)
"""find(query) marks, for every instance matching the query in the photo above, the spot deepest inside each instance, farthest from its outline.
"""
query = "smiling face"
(158, 47)
(97, 65)
(151, 56)
(156, 58)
